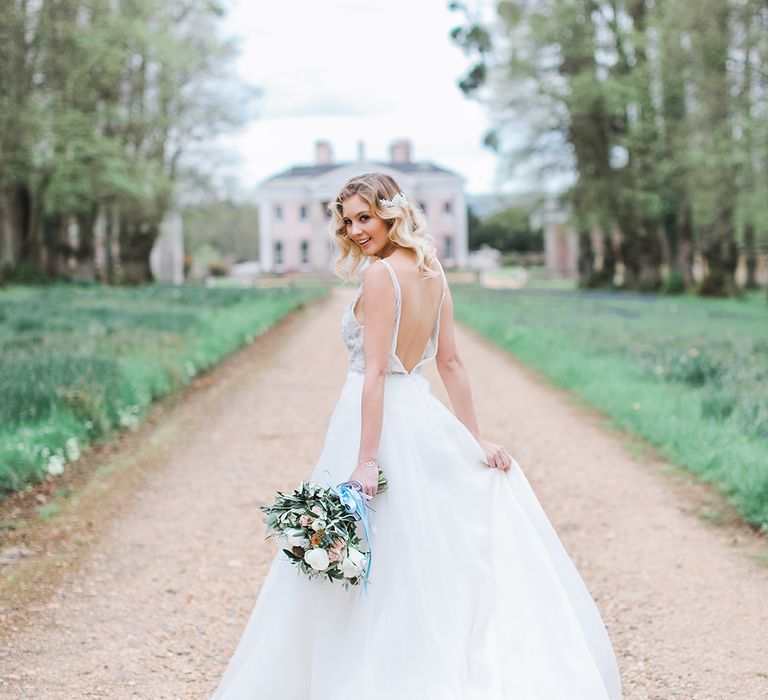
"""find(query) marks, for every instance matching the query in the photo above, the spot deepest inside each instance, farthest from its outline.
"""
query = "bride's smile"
(365, 229)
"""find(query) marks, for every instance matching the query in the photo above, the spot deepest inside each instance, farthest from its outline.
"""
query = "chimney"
(400, 151)
(323, 153)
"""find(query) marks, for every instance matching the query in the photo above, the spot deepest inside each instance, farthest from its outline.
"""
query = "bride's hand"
(496, 456)
(368, 477)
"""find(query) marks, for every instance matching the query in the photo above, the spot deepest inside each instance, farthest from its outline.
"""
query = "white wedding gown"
(471, 594)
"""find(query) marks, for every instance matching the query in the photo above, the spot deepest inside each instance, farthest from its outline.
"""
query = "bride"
(471, 594)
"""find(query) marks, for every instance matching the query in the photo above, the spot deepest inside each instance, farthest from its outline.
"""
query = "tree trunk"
(10, 238)
(684, 256)
(721, 256)
(110, 236)
(136, 240)
(608, 270)
(650, 257)
(751, 257)
(629, 249)
(56, 244)
(84, 255)
(586, 259)
(31, 229)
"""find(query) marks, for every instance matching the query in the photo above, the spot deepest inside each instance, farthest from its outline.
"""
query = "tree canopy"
(657, 108)
(508, 230)
(99, 103)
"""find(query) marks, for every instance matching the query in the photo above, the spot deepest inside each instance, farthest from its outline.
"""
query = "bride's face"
(364, 228)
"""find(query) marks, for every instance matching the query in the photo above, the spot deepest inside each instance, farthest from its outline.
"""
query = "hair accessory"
(399, 200)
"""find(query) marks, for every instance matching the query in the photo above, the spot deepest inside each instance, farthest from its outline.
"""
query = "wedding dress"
(471, 594)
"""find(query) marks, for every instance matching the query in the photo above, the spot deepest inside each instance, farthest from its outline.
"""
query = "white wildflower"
(127, 418)
(55, 466)
(72, 450)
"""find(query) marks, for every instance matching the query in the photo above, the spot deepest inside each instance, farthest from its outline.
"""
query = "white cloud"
(352, 70)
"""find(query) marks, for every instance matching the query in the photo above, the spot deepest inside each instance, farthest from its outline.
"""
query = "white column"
(461, 241)
(265, 235)
(317, 247)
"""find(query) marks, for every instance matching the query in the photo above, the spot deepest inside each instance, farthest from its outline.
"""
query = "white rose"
(356, 556)
(317, 558)
(296, 538)
(349, 569)
(319, 525)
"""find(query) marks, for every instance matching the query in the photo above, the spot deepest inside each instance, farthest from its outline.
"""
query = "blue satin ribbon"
(351, 495)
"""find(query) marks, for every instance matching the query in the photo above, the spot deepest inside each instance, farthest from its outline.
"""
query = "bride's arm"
(379, 305)
(456, 381)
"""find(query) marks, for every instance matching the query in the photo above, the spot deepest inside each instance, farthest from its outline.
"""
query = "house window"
(278, 252)
(327, 210)
(303, 211)
(423, 207)
(447, 207)
(448, 247)
(304, 252)
(278, 211)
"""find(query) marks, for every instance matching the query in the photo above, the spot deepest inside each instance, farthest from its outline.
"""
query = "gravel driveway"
(159, 598)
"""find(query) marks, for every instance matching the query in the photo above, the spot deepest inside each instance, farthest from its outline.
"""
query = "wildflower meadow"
(77, 362)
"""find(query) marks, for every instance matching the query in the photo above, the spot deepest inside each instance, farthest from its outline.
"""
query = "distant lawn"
(689, 375)
(79, 361)
(532, 277)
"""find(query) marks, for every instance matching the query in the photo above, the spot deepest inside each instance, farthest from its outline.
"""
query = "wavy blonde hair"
(407, 226)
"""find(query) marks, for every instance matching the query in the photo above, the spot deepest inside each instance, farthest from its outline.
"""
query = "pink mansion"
(293, 218)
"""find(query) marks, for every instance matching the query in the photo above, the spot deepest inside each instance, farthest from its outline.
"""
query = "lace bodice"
(352, 331)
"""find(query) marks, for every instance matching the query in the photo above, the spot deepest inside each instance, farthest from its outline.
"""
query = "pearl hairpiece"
(399, 200)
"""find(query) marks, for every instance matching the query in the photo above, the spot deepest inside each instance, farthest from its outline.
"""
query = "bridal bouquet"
(319, 526)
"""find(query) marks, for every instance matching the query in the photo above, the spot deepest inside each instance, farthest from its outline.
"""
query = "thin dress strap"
(442, 299)
(398, 303)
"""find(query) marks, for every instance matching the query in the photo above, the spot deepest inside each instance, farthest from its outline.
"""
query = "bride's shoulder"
(375, 275)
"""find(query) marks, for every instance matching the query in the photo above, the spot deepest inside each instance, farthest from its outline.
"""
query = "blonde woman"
(471, 595)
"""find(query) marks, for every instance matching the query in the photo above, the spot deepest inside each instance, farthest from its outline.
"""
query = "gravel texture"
(155, 603)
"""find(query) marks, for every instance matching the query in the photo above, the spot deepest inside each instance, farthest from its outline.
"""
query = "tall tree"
(657, 106)
(674, 62)
(19, 127)
(98, 103)
(714, 147)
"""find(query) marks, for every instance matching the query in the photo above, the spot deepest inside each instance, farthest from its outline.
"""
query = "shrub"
(28, 273)
(674, 282)
(217, 269)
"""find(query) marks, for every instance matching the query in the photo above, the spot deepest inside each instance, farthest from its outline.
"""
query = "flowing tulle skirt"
(471, 594)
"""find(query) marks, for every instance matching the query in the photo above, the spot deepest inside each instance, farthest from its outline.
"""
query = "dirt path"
(158, 602)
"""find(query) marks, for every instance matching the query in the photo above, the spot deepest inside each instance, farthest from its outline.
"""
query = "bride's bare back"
(421, 299)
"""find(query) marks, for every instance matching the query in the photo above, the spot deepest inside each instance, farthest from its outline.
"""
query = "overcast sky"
(355, 70)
